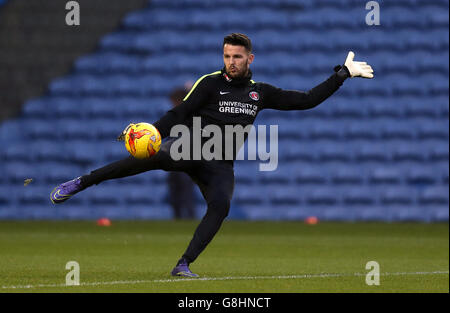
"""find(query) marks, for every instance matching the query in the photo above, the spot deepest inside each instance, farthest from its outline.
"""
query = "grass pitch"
(292, 257)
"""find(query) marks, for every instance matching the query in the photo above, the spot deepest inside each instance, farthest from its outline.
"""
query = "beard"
(239, 73)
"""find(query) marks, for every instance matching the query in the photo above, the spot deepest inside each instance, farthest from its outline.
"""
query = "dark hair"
(238, 39)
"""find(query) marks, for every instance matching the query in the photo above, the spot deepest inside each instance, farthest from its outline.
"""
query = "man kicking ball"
(215, 178)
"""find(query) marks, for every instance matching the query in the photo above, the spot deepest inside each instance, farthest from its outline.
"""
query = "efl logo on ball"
(142, 140)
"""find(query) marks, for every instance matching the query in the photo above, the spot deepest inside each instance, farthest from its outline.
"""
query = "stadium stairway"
(376, 150)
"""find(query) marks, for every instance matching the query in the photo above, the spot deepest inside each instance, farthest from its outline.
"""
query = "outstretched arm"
(280, 99)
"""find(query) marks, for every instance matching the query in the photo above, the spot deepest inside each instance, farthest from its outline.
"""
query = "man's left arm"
(280, 99)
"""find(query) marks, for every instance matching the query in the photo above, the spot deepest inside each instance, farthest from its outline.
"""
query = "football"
(142, 140)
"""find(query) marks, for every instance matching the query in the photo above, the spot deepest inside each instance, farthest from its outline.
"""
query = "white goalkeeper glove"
(358, 69)
(122, 135)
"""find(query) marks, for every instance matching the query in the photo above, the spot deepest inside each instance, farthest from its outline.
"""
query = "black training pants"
(215, 179)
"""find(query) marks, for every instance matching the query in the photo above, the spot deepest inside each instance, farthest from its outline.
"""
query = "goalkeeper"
(218, 99)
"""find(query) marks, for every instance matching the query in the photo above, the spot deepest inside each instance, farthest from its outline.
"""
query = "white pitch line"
(133, 282)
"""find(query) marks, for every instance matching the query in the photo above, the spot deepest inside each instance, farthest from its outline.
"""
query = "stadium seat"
(36, 108)
(361, 130)
(97, 108)
(399, 195)
(293, 150)
(74, 129)
(324, 131)
(67, 108)
(288, 195)
(280, 176)
(245, 174)
(305, 173)
(359, 196)
(17, 151)
(439, 151)
(40, 129)
(422, 175)
(391, 175)
(332, 152)
(433, 130)
(393, 129)
(35, 195)
(348, 109)
(57, 173)
(437, 195)
(368, 152)
(83, 153)
(347, 175)
(322, 196)
(385, 110)
(17, 172)
(112, 195)
(149, 195)
(420, 109)
(408, 152)
(244, 196)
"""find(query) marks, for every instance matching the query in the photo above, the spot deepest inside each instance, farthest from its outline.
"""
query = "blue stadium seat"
(378, 109)
(57, 173)
(421, 109)
(322, 196)
(304, 173)
(73, 129)
(7, 196)
(36, 108)
(433, 130)
(333, 152)
(148, 195)
(372, 152)
(294, 150)
(349, 108)
(67, 108)
(114, 151)
(84, 153)
(109, 63)
(35, 195)
(407, 213)
(399, 195)
(359, 196)
(347, 175)
(324, 131)
(106, 195)
(101, 108)
(391, 175)
(17, 172)
(423, 175)
(280, 176)
(436, 195)
(41, 129)
(18, 151)
(103, 129)
(439, 151)
(393, 129)
(245, 196)
(161, 212)
(245, 173)
(363, 129)
(408, 152)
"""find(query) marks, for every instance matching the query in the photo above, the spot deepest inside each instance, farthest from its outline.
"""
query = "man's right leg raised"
(123, 168)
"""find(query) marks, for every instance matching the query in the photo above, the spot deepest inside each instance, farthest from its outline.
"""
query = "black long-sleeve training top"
(220, 100)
